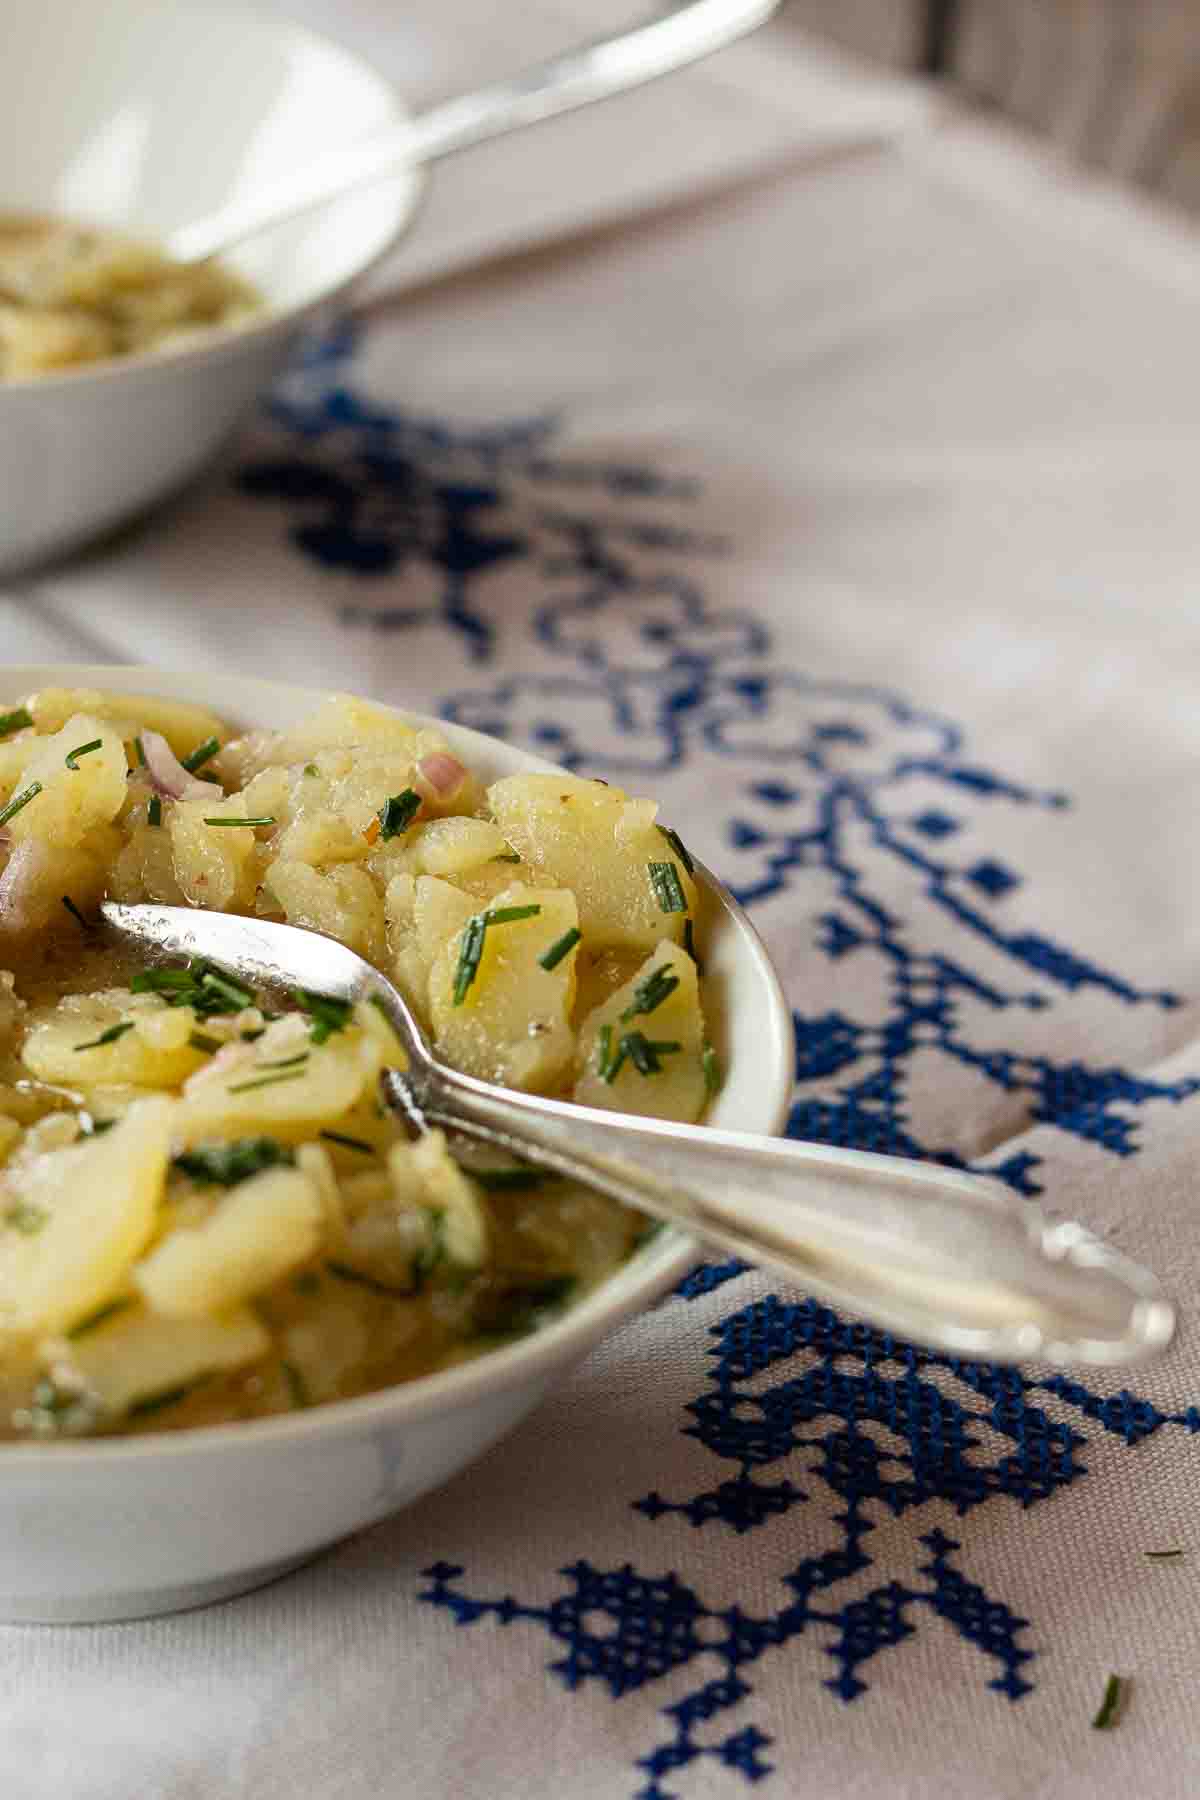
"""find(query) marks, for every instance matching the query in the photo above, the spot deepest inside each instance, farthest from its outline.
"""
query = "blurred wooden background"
(1115, 83)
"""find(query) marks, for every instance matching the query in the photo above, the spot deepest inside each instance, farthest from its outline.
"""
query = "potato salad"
(70, 295)
(206, 1213)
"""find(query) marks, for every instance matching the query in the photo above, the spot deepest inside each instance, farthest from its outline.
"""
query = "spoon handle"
(683, 35)
(951, 1259)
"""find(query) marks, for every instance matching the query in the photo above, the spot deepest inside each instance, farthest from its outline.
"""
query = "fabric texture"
(850, 511)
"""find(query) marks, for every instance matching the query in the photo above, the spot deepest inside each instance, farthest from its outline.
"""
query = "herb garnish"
(27, 1219)
(1111, 1705)
(200, 1040)
(608, 1065)
(644, 1052)
(508, 856)
(243, 1087)
(311, 769)
(99, 1317)
(668, 891)
(344, 1272)
(154, 811)
(1162, 1555)
(156, 1402)
(286, 1062)
(710, 1062)
(561, 947)
(297, 1386)
(327, 1015)
(471, 944)
(139, 750)
(650, 994)
(14, 721)
(19, 801)
(676, 842)
(108, 1037)
(224, 1165)
(520, 1310)
(75, 912)
(90, 1127)
(350, 1143)
(249, 822)
(200, 755)
(72, 756)
(199, 985)
(398, 813)
(689, 944)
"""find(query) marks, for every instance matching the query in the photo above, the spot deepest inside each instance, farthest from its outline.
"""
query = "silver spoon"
(684, 35)
(953, 1260)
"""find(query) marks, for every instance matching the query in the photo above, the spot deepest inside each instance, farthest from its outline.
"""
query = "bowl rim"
(274, 320)
(557, 1345)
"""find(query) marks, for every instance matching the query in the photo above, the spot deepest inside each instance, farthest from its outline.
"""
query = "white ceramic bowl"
(139, 115)
(121, 1528)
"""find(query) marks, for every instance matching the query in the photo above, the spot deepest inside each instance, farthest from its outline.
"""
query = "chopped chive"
(398, 813)
(609, 1064)
(710, 1062)
(502, 1181)
(648, 995)
(344, 1272)
(561, 947)
(668, 891)
(27, 1219)
(644, 1052)
(245, 822)
(139, 750)
(286, 1062)
(470, 950)
(297, 1386)
(75, 912)
(689, 944)
(224, 1165)
(327, 1015)
(72, 756)
(1162, 1555)
(650, 1230)
(311, 769)
(350, 1143)
(507, 856)
(95, 1127)
(101, 1315)
(107, 1037)
(19, 801)
(1111, 1705)
(522, 1309)
(243, 1087)
(307, 1282)
(200, 1040)
(508, 915)
(158, 981)
(156, 1402)
(226, 988)
(676, 842)
(252, 1036)
(14, 721)
(200, 755)
(154, 811)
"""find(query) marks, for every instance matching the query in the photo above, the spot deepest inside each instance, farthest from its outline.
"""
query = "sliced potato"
(139, 1355)
(258, 1231)
(235, 1097)
(215, 865)
(73, 1220)
(343, 902)
(510, 1022)
(184, 726)
(451, 847)
(62, 1043)
(426, 1174)
(676, 1089)
(606, 848)
(71, 800)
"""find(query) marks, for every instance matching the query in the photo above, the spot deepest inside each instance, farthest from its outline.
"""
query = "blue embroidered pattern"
(843, 784)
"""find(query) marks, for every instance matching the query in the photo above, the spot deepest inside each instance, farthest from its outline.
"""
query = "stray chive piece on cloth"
(16, 720)
(200, 755)
(668, 890)
(474, 932)
(107, 1037)
(1163, 1555)
(72, 757)
(1113, 1704)
(561, 947)
(397, 813)
(20, 801)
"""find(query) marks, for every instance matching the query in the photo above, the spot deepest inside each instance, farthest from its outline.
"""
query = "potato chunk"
(262, 1228)
(72, 800)
(511, 1021)
(237, 1093)
(603, 846)
(425, 1174)
(73, 1220)
(676, 1089)
(139, 1356)
(61, 1041)
(343, 902)
(184, 726)
(215, 865)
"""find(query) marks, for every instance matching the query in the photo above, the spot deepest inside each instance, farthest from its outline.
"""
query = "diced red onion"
(167, 774)
(439, 776)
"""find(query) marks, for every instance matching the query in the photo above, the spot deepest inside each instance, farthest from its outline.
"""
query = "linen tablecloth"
(847, 504)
